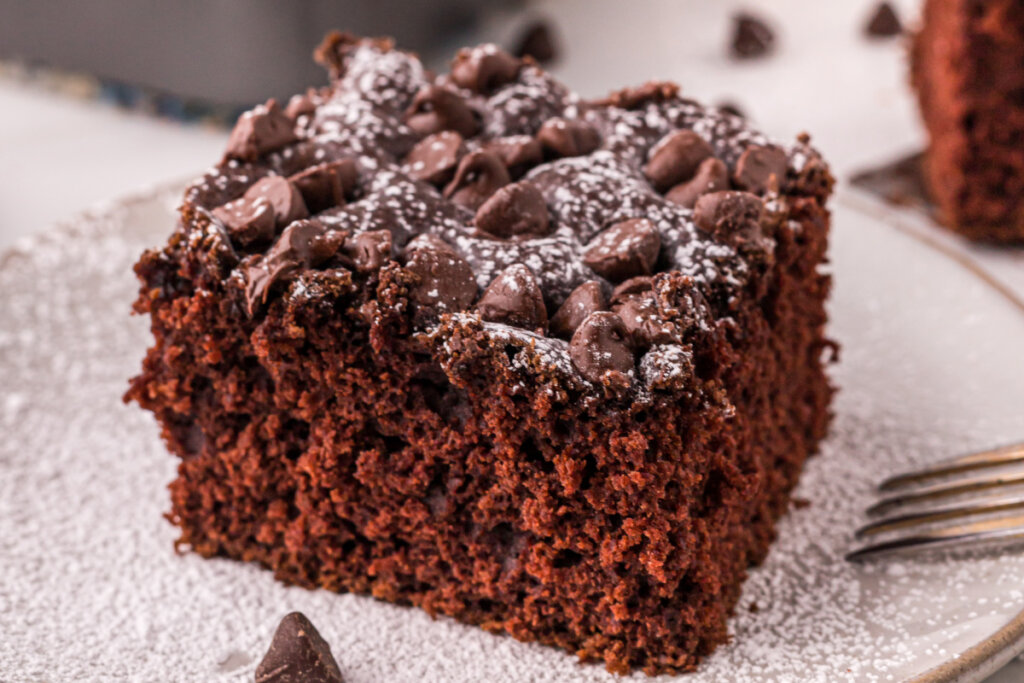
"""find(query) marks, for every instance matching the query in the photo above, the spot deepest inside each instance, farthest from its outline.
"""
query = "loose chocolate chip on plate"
(248, 220)
(625, 249)
(675, 158)
(761, 169)
(568, 137)
(600, 350)
(369, 250)
(712, 176)
(519, 153)
(478, 176)
(446, 282)
(751, 37)
(884, 22)
(435, 157)
(538, 42)
(724, 214)
(484, 68)
(516, 209)
(298, 654)
(434, 109)
(326, 185)
(514, 298)
(259, 131)
(586, 299)
(283, 196)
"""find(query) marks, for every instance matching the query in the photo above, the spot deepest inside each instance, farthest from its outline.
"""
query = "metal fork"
(963, 509)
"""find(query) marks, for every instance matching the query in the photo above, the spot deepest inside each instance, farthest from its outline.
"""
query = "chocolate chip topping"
(884, 22)
(537, 41)
(643, 322)
(751, 37)
(761, 168)
(436, 108)
(586, 299)
(514, 298)
(298, 654)
(303, 244)
(435, 157)
(625, 249)
(326, 185)
(675, 158)
(478, 176)
(259, 131)
(284, 197)
(600, 350)
(516, 209)
(712, 176)
(446, 283)
(248, 220)
(568, 137)
(519, 153)
(725, 214)
(369, 250)
(484, 68)
(300, 105)
(634, 286)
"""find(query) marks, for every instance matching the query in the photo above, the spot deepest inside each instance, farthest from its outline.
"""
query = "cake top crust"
(607, 232)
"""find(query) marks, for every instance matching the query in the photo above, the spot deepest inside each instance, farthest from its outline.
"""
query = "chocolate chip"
(303, 244)
(435, 157)
(634, 286)
(625, 249)
(675, 158)
(730, 107)
(259, 131)
(300, 105)
(434, 109)
(761, 169)
(724, 214)
(484, 68)
(248, 220)
(478, 176)
(284, 197)
(514, 298)
(369, 250)
(751, 37)
(538, 42)
(446, 282)
(326, 185)
(712, 176)
(519, 153)
(586, 299)
(298, 654)
(568, 137)
(643, 321)
(516, 209)
(651, 92)
(600, 350)
(884, 22)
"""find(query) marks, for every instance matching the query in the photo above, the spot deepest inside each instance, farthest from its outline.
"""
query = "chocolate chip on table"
(298, 654)
(303, 244)
(724, 214)
(586, 299)
(516, 209)
(675, 158)
(369, 250)
(568, 137)
(478, 176)
(712, 176)
(625, 249)
(446, 283)
(514, 298)
(248, 220)
(434, 109)
(259, 131)
(538, 42)
(751, 37)
(600, 349)
(284, 197)
(884, 22)
(761, 169)
(484, 68)
(326, 185)
(519, 153)
(435, 157)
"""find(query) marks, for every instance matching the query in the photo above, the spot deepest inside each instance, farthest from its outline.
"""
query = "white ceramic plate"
(90, 588)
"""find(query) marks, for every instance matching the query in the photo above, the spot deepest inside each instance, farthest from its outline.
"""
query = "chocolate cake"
(968, 69)
(471, 343)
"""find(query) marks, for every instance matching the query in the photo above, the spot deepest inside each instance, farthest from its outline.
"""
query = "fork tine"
(1005, 530)
(945, 490)
(939, 515)
(964, 463)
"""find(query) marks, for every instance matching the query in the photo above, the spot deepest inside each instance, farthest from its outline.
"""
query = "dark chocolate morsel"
(478, 176)
(325, 185)
(568, 137)
(730, 107)
(298, 654)
(303, 244)
(586, 299)
(283, 196)
(538, 42)
(625, 249)
(761, 169)
(519, 153)
(643, 322)
(446, 283)
(261, 130)
(724, 214)
(247, 220)
(300, 105)
(434, 109)
(637, 96)
(514, 298)
(712, 176)
(484, 68)
(369, 250)
(675, 158)
(634, 286)
(751, 37)
(435, 157)
(600, 349)
(884, 23)
(516, 209)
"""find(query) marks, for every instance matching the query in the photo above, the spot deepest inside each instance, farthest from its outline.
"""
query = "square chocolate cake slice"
(472, 343)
